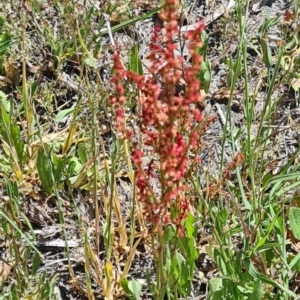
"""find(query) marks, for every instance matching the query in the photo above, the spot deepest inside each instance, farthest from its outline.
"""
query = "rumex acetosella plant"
(171, 126)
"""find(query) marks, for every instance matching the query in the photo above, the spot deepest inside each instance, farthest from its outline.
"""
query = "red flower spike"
(170, 128)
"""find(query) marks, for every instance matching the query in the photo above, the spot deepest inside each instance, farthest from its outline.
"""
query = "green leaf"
(131, 21)
(83, 153)
(43, 165)
(215, 284)
(177, 261)
(168, 235)
(36, 264)
(205, 75)
(279, 181)
(34, 87)
(72, 167)
(257, 290)
(266, 52)
(294, 218)
(222, 261)
(59, 164)
(17, 142)
(5, 42)
(90, 61)
(134, 63)
(5, 126)
(296, 84)
(124, 285)
(135, 288)
(295, 262)
(263, 240)
(259, 276)
(63, 113)
(148, 278)
(7, 105)
(10, 132)
(190, 226)
(7, 219)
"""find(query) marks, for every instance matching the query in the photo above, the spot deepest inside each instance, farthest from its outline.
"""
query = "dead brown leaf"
(288, 16)
(5, 270)
(11, 71)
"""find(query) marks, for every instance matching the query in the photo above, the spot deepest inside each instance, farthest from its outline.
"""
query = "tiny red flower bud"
(198, 115)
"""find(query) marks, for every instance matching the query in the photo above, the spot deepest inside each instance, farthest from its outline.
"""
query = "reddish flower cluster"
(168, 120)
(216, 187)
(237, 161)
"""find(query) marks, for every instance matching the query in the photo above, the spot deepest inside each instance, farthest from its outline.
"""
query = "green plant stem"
(26, 97)
(95, 150)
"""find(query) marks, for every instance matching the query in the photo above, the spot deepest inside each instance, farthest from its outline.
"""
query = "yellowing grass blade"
(68, 142)
(108, 282)
(130, 258)
(122, 226)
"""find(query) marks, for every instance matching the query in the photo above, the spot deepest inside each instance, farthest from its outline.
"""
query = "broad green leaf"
(294, 218)
(90, 61)
(135, 288)
(257, 290)
(83, 153)
(59, 166)
(205, 75)
(63, 113)
(177, 262)
(190, 226)
(168, 262)
(7, 105)
(216, 284)
(124, 285)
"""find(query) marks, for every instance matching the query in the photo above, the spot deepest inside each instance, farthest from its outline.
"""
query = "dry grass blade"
(121, 228)
(70, 138)
(130, 257)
